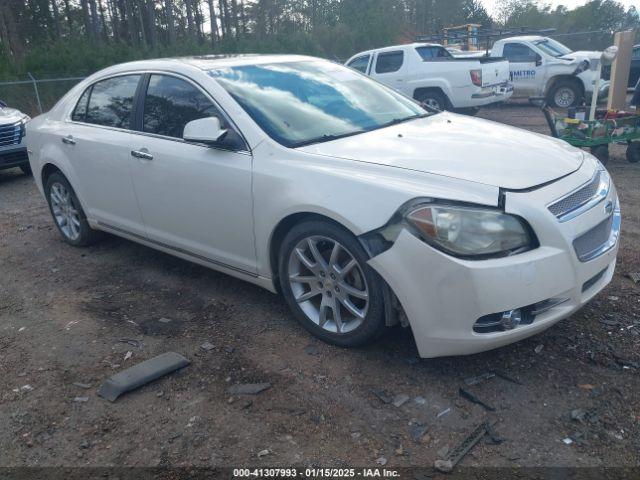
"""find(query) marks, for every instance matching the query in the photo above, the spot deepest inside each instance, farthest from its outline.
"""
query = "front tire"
(565, 94)
(67, 212)
(328, 285)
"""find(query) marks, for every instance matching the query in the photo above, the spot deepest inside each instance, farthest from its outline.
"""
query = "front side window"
(111, 101)
(519, 53)
(171, 103)
(360, 63)
(299, 103)
(389, 62)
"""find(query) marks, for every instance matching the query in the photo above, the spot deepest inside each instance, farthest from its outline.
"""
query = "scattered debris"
(356, 434)
(446, 465)
(494, 438)
(383, 395)
(165, 320)
(311, 349)
(480, 378)
(81, 399)
(141, 374)
(613, 298)
(229, 349)
(248, 388)
(131, 341)
(381, 461)
(586, 386)
(444, 412)
(443, 452)
(207, 346)
(506, 377)
(635, 276)
(538, 349)
(84, 444)
(467, 395)
(400, 400)
(85, 386)
(128, 355)
(567, 441)
(418, 432)
(264, 453)
(22, 329)
(26, 388)
(578, 414)
(419, 400)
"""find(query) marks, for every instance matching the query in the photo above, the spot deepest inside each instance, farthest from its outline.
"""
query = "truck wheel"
(601, 152)
(565, 94)
(633, 152)
(433, 99)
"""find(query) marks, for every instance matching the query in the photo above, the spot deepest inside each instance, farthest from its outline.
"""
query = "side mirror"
(204, 130)
(538, 60)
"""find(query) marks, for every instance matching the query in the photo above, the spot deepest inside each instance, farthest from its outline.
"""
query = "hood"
(582, 55)
(10, 115)
(461, 147)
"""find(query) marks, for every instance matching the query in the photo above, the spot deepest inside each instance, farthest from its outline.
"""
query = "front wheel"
(565, 94)
(328, 285)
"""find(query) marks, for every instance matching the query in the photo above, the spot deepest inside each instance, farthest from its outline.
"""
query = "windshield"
(299, 103)
(552, 47)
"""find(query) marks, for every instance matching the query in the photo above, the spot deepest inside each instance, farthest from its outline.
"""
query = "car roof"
(396, 47)
(524, 38)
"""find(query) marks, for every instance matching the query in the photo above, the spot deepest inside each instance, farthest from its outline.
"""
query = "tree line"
(56, 37)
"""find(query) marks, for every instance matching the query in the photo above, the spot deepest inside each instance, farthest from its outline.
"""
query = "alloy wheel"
(328, 284)
(64, 211)
(564, 97)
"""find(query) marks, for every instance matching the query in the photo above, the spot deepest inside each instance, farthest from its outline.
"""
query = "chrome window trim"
(602, 192)
(67, 117)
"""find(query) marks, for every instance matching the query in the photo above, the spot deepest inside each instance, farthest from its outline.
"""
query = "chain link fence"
(34, 96)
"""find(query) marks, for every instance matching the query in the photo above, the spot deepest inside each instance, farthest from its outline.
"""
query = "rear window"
(388, 62)
(111, 101)
(432, 53)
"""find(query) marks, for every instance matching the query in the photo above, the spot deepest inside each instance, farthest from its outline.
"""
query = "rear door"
(526, 69)
(194, 199)
(390, 68)
(97, 144)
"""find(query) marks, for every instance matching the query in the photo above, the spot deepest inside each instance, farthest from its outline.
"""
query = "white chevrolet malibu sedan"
(361, 207)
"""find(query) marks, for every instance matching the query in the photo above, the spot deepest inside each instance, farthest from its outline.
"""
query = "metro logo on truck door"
(524, 66)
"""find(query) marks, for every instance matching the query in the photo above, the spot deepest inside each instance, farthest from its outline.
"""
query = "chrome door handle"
(141, 154)
(68, 140)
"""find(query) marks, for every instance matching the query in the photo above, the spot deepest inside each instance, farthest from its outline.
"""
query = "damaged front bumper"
(444, 297)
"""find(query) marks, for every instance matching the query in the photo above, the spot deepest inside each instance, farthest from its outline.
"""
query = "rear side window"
(432, 53)
(111, 101)
(360, 63)
(388, 62)
(171, 103)
(636, 54)
(80, 112)
(517, 52)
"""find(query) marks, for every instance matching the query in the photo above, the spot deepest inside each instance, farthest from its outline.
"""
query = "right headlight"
(470, 231)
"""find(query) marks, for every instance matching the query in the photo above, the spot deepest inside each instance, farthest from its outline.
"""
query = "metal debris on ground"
(494, 438)
(264, 453)
(467, 395)
(447, 464)
(567, 441)
(383, 395)
(141, 374)
(418, 431)
(248, 388)
(480, 378)
(381, 461)
(635, 276)
(81, 399)
(131, 341)
(400, 400)
(538, 349)
(419, 400)
(506, 377)
(207, 346)
(444, 412)
(85, 386)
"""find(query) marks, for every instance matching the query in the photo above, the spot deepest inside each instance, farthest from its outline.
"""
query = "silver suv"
(13, 151)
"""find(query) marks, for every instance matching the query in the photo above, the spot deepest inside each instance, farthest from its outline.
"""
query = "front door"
(526, 69)
(193, 198)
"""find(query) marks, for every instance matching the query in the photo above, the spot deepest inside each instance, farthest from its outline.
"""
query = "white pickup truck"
(430, 74)
(544, 67)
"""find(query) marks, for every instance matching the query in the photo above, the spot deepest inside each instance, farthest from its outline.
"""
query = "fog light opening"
(511, 319)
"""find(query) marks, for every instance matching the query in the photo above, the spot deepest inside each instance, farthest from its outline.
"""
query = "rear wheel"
(433, 99)
(565, 94)
(67, 212)
(328, 285)
(601, 152)
(633, 152)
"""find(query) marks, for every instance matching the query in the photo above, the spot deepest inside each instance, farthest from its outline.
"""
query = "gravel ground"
(70, 316)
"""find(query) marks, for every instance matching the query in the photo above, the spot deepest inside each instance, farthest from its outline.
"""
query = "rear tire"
(633, 152)
(67, 212)
(601, 152)
(433, 99)
(565, 94)
(319, 279)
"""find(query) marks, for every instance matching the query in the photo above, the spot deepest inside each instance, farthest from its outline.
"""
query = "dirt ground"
(71, 316)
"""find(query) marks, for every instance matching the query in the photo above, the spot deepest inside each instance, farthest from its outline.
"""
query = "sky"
(490, 5)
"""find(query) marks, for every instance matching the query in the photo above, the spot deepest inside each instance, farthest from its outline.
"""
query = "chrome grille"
(10, 134)
(578, 198)
(593, 240)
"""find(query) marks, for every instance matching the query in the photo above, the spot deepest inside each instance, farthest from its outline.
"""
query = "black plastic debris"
(446, 465)
(248, 388)
(467, 395)
(141, 374)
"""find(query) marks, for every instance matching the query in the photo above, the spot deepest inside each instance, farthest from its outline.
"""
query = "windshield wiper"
(325, 138)
(396, 121)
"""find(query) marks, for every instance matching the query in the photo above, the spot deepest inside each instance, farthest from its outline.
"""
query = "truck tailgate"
(494, 73)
